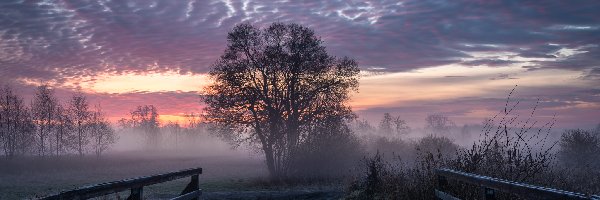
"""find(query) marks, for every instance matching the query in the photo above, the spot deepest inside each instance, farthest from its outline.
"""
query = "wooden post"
(488, 193)
(442, 184)
(194, 185)
(136, 194)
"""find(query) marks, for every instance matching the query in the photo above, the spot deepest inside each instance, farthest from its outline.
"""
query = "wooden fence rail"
(490, 185)
(136, 186)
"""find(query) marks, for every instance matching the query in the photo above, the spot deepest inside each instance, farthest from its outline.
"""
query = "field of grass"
(30, 177)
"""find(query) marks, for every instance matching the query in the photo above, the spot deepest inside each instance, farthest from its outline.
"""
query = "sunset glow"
(412, 56)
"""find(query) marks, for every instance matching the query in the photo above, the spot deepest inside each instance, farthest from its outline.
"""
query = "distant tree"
(465, 131)
(364, 127)
(193, 121)
(400, 126)
(80, 115)
(43, 111)
(174, 130)
(62, 131)
(438, 124)
(385, 126)
(393, 125)
(144, 119)
(580, 148)
(101, 133)
(437, 145)
(16, 127)
(271, 84)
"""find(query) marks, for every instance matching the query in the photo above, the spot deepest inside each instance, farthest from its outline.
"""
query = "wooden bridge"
(136, 187)
(490, 186)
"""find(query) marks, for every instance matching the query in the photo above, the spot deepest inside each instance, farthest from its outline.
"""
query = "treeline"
(144, 121)
(49, 127)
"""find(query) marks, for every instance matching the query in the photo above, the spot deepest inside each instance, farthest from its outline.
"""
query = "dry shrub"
(329, 153)
(510, 147)
(579, 159)
(387, 179)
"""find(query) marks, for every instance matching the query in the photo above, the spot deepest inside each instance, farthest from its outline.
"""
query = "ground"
(229, 176)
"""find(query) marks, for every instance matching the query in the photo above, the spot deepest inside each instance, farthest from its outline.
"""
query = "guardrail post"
(136, 193)
(488, 193)
(192, 186)
(442, 183)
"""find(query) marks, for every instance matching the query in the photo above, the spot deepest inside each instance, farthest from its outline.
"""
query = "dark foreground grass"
(31, 177)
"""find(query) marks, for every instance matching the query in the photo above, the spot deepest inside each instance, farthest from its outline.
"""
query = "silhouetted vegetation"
(580, 148)
(275, 88)
(511, 146)
(144, 120)
(49, 127)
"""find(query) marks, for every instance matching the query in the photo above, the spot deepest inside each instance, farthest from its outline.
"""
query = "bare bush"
(437, 145)
(392, 148)
(16, 127)
(438, 124)
(393, 126)
(579, 148)
(328, 153)
(510, 147)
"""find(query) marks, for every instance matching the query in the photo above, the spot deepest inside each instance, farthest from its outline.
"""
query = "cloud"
(593, 74)
(61, 39)
(489, 62)
(65, 41)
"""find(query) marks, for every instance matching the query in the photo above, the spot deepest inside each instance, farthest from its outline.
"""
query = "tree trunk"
(270, 163)
(79, 138)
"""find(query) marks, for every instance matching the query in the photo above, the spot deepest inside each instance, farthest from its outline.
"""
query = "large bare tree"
(271, 85)
(16, 127)
(80, 116)
(101, 133)
(43, 111)
(63, 130)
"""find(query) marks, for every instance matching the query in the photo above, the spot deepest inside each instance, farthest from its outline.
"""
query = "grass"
(31, 177)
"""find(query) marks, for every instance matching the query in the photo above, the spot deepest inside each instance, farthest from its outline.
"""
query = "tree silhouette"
(80, 115)
(43, 111)
(393, 125)
(62, 131)
(438, 124)
(145, 120)
(16, 126)
(580, 148)
(102, 134)
(271, 85)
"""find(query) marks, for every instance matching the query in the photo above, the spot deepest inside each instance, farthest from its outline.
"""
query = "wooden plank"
(102, 189)
(519, 189)
(444, 196)
(189, 196)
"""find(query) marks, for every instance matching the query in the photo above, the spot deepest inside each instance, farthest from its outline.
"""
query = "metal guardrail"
(136, 186)
(490, 185)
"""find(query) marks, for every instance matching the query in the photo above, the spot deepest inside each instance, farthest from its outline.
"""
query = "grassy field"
(30, 177)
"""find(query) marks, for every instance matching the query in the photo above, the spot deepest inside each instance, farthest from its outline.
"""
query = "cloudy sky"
(458, 58)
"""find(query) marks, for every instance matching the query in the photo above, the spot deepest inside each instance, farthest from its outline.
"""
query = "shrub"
(509, 148)
(330, 152)
(432, 144)
(579, 148)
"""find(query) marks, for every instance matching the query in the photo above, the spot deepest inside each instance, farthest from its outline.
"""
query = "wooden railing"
(136, 186)
(489, 186)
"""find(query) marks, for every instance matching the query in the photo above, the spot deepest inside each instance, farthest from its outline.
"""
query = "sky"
(457, 58)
